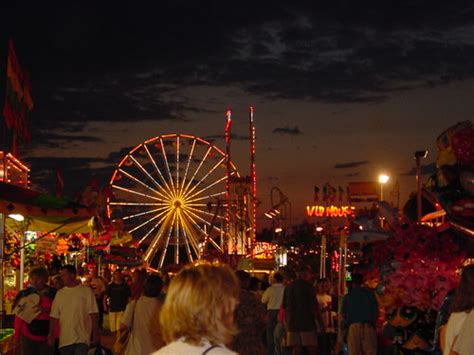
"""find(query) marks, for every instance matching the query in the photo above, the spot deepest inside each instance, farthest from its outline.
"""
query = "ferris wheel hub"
(177, 203)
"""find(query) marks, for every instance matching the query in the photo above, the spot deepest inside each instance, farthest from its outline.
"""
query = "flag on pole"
(341, 194)
(59, 182)
(333, 193)
(18, 102)
(316, 194)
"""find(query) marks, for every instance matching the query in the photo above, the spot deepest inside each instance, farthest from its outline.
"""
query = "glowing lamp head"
(383, 179)
(319, 229)
(268, 215)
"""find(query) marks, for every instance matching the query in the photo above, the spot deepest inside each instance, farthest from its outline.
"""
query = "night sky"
(342, 91)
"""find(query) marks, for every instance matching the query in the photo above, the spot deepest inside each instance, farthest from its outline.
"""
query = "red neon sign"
(330, 211)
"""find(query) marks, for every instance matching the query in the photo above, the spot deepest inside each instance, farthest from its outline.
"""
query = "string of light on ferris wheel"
(188, 233)
(176, 246)
(140, 166)
(177, 164)
(130, 176)
(203, 212)
(187, 192)
(165, 249)
(138, 203)
(135, 192)
(198, 168)
(189, 162)
(186, 244)
(157, 169)
(155, 240)
(204, 233)
(201, 219)
(205, 189)
(157, 237)
(151, 219)
(206, 197)
(165, 157)
(144, 213)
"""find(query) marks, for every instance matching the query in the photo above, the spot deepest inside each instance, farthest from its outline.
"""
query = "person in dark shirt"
(117, 294)
(301, 312)
(360, 309)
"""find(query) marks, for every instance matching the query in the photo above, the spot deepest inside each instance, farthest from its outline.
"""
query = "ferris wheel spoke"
(149, 220)
(136, 192)
(177, 164)
(207, 187)
(131, 177)
(203, 212)
(165, 249)
(196, 225)
(176, 233)
(190, 156)
(144, 171)
(143, 213)
(192, 215)
(190, 235)
(213, 242)
(203, 220)
(152, 248)
(151, 252)
(207, 197)
(165, 158)
(205, 177)
(113, 203)
(186, 241)
(153, 161)
(197, 170)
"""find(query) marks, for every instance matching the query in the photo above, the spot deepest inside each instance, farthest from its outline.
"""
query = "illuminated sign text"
(330, 211)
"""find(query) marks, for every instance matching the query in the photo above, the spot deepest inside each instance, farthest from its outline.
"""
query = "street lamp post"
(383, 179)
(419, 154)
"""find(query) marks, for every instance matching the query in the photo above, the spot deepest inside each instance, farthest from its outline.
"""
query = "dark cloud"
(130, 64)
(295, 131)
(47, 139)
(429, 169)
(352, 164)
(76, 171)
(352, 175)
(216, 137)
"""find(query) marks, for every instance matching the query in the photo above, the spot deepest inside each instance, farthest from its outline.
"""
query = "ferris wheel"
(170, 194)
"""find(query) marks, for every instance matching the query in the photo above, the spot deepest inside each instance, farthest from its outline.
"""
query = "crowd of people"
(210, 309)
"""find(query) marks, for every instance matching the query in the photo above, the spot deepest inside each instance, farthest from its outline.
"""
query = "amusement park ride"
(178, 194)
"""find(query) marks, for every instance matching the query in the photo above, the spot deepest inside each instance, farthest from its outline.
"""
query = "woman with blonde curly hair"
(198, 314)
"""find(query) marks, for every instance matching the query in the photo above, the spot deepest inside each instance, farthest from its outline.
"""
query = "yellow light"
(17, 217)
(383, 178)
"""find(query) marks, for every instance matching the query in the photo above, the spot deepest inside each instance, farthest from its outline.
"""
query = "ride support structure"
(241, 197)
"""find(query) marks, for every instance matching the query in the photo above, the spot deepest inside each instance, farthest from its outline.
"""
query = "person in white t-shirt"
(462, 305)
(142, 317)
(325, 339)
(272, 298)
(464, 344)
(197, 317)
(75, 308)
